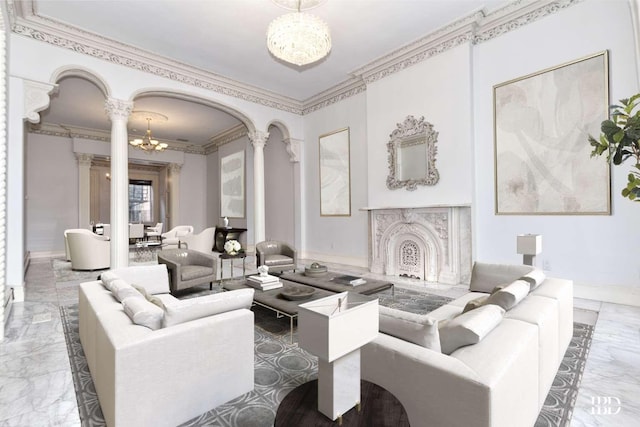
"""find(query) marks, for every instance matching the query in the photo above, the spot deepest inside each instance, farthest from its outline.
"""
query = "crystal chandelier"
(147, 143)
(298, 38)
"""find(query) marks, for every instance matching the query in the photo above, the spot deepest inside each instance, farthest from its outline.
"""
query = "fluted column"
(84, 189)
(258, 140)
(119, 111)
(174, 196)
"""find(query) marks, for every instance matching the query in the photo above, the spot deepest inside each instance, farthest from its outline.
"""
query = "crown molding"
(26, 22)
(475, 28)
(68, 131)
(225, 137)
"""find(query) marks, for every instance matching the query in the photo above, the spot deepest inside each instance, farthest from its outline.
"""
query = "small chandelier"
(298, 38)
(147, 143)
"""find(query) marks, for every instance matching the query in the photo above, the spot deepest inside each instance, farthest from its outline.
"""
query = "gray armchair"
(188, 268)
(278, 256)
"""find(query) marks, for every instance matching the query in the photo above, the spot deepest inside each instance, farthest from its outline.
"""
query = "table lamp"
(529, 245)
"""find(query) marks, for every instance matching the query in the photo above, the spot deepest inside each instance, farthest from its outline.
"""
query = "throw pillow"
(469, 328)
(510, 296)
(190, 309)
(154, 278)
(499, 288)
(142, 290)
(107, 278)
(121, 290)
(485, 277)
(534, 278)
(143, 313)
(155, 300)
(418, 329)
(475, 303)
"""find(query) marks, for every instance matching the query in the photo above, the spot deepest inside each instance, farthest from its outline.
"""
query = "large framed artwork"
(232, 185)
(335, 178)
(543, 163)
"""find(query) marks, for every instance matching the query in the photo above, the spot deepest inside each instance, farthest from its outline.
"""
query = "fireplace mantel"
(460, 205)
(430, 242)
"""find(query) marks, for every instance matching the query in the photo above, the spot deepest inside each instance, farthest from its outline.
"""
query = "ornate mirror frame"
(412, 130)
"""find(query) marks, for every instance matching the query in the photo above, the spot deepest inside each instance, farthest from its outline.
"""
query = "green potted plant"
(620, 139)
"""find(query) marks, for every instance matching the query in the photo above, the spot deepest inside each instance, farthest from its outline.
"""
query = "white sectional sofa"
(503, 379)
(191, 356)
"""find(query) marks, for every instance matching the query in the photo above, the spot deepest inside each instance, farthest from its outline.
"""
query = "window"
(140, 201)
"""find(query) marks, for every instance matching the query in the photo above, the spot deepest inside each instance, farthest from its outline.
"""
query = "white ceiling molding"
(26, 22)
(225, 137)
(475, 28)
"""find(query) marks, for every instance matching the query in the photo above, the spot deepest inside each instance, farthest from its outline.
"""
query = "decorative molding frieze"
(36, 98)
(475, 28)
(226, 137)
(517, 15)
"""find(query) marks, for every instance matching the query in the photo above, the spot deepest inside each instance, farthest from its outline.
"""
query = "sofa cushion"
(484, 277)
(143, 313)
(182, 311)
(469, 328)
(475, 303)
(189, 272)
(277, 259)
(154, 278)
(511, 295)
(418, 329)
(534, 278)
(121, 290)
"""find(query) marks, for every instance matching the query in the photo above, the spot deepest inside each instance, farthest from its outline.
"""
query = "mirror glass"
(412, 152)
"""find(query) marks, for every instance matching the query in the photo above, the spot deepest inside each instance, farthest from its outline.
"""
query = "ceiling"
(227, 38)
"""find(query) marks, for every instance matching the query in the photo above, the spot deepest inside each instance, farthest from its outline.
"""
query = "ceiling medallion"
(298, 38)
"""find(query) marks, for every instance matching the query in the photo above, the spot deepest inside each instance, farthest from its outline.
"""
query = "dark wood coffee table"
(378, 407)
(273, 299)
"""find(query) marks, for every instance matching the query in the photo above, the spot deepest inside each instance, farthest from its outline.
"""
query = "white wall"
(336, 239)
(438, 89)
(51, 192)
(598, 252)
(193, 190)
(213, 189)
(279, 190)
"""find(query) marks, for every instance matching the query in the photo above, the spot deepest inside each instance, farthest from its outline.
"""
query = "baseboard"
(46, 254)
(608, 293)
(336, 259)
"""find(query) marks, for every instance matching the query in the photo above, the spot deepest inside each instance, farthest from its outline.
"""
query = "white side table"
(334, 328)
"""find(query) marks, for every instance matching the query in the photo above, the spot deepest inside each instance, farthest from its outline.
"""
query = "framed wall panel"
(232, 185)
(335, 174)
(543, 163)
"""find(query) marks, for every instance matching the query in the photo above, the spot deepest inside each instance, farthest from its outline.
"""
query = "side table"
(224, 255)
(378, 407)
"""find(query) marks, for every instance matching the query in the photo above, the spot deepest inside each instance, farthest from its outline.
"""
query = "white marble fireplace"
(429, 243)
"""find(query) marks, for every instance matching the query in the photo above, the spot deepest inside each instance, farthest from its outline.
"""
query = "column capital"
(36, 98)
(118, 108)
(174, 168)
(84, 159)
(258, 139)
(292, 146)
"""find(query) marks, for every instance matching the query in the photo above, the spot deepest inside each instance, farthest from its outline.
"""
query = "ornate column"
(293, 148)
(84, 189)
(174, 196)
(258, 140)
(118, 112)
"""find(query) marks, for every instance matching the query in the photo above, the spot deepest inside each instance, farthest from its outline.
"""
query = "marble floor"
(36, 387)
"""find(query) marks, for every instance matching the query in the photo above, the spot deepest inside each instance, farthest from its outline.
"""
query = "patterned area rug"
(281, 366)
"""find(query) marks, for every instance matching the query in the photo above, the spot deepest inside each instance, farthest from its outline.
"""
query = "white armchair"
(201, 242)
(75, 230)
(154, 231)
(88, 251)
(171, 238)
(136, 231)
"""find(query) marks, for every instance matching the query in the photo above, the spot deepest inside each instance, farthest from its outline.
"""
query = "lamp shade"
(334, 326)
(529, 244)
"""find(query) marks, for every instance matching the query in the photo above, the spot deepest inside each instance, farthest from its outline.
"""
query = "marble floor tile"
(36, 388)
